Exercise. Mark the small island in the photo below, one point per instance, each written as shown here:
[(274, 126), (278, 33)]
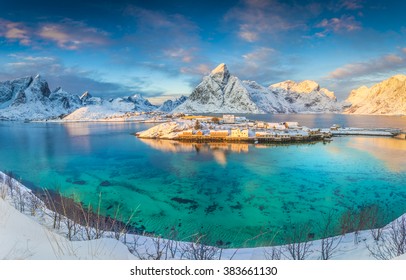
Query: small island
[(231, 128)]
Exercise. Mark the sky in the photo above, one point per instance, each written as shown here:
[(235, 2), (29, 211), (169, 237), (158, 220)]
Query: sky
[(162, 49)]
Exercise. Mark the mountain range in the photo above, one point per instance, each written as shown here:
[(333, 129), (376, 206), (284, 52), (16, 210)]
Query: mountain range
[(221, 92), (30, 98)]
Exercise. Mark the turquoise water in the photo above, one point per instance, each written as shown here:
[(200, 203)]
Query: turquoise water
[(230, 192)]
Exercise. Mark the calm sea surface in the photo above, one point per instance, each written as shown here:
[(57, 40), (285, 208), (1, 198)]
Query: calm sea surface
[(230, 192)]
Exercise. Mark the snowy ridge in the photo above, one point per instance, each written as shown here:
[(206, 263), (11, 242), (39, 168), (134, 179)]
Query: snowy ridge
[(116, 109), (170, 105), (385, 98), (221, 92), (167, 130), (307, 96)]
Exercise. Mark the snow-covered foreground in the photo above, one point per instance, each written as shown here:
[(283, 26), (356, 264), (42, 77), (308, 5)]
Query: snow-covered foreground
[(28, 234)]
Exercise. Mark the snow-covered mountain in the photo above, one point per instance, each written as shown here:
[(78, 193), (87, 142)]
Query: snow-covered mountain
[(170, 105), (221, 92), (97, 108), (307, 96), (30, 99), (131, 103), (387, 97)]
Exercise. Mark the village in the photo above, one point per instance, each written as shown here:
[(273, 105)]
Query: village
[(232, 128)]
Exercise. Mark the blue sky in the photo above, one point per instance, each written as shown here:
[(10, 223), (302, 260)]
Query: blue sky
[(163, 48)]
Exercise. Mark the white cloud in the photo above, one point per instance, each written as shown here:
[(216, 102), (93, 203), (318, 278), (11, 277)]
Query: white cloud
[(15, 31), (386, 63), (351, 4), (72, 79), (263, 64), (263, 17), (342, 24), (72, 35)]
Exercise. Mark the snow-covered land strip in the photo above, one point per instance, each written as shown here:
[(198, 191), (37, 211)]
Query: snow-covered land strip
[(366, 131), (25, 235), (26, 232), (167, 130)]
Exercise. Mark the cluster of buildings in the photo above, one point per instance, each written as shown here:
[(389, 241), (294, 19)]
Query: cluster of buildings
[(233, 129)]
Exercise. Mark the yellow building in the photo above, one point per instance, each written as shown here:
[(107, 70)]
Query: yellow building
[(238, 133), (219, 133)]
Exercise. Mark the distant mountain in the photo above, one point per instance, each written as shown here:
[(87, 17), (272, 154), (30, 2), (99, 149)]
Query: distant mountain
[(30, 99), (307, 96), (97, 108), (134, 103), (385, 98), (170, 105), (221, 92)]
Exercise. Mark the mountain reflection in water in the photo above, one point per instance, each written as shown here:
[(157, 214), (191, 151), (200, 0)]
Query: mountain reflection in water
[(389, 150)]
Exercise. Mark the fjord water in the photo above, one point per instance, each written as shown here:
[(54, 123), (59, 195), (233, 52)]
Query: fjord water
[(230, 192)]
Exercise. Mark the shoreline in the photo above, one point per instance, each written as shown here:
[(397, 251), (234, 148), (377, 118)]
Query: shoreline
[(352, 245)]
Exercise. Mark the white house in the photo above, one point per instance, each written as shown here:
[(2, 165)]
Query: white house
[(228, 119), (280, 126), (260, 124), (272, 125), (292, 124)]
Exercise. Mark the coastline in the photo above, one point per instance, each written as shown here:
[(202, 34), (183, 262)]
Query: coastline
[(52, 244)]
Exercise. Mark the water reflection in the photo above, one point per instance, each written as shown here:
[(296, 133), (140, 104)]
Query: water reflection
[(219, 151), (389, 150)]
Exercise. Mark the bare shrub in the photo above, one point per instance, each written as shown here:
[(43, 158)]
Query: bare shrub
[(8, 181), (148, 247), (173, 245), (329, 242), (377, 219), (3, 190), (94, 224), (273, 253), (392, 242), (298, 243), (19, 199), (34, 204), (356, 220), (51, 203), (118, 227), (72, 213), (197, 250), (347, 222)]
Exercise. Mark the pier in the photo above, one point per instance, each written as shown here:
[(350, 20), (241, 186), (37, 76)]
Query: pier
[(273, 139)]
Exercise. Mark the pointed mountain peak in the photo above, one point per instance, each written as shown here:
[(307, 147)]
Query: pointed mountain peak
[(85, 95), (221, 68), (308, 86), (220, 74)]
